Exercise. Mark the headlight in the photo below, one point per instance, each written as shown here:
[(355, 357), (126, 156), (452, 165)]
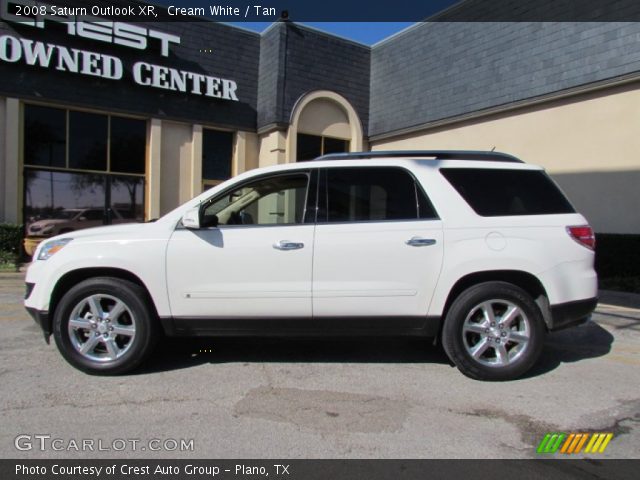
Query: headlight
[(51, 247)]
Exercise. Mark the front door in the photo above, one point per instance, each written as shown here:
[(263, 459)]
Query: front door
[(256, 263), (378, 245)]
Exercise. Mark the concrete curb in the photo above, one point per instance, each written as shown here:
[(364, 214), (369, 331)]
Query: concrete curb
[(620, 299)]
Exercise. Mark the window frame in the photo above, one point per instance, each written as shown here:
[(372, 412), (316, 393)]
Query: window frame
[(323, 197), (67, 110), (310, 201)]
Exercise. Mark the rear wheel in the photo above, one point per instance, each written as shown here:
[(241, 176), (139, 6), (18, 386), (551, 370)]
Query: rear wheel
[(105, 326), (493, 331)]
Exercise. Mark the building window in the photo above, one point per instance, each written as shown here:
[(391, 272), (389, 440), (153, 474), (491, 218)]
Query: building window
[(313, 146), (81, 170), (128, 145), (45, 136), (88, 135), (217, 155)]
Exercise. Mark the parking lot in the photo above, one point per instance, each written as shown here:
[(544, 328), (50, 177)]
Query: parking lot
[(347, 398)]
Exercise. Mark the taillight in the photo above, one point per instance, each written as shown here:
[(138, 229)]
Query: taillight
[(583, 235)]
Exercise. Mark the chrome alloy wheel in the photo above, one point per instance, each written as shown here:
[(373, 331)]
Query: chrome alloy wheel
[(101, 328), (496, 333)]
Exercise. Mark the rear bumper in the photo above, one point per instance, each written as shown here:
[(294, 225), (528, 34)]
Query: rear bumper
[(43, 320), (569, 314)]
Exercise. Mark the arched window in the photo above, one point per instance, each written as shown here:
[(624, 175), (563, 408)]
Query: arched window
[(322, 122)]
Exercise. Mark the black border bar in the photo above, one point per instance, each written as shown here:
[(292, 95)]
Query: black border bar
[(357, 11), (551, 469)]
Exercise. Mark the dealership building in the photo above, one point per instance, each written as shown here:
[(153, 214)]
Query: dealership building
[(125, 121)]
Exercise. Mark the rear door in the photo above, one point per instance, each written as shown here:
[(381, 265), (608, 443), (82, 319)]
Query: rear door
[(378, 246)]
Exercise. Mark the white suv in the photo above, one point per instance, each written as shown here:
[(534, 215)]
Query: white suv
[(476, 249)]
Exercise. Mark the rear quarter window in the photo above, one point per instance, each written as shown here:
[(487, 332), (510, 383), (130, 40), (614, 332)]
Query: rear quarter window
[(503, 192)]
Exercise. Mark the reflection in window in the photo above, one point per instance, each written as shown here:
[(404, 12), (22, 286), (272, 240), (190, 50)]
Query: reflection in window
[(44, 136), (88, 141), (127, 199), (273, 201), (58, 202)]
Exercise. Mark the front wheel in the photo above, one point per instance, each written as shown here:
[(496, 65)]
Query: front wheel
[(493, 331), (105, 326)]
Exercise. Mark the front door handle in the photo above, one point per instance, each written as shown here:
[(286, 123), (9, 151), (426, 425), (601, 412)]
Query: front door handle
[(421, 242), (287, 245)]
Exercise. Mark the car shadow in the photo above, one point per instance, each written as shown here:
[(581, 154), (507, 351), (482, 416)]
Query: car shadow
[(572, 345), (179, 353), (566, 346)]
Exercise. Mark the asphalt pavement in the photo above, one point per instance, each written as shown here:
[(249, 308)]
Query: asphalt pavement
[(347, 398)]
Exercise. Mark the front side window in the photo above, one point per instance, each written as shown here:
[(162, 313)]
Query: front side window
[(366, 194), (278, 200)]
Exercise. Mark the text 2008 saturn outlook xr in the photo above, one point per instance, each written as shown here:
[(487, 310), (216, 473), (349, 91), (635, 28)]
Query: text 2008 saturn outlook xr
[(477, 249)]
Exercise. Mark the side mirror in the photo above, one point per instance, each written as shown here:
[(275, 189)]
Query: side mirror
[(191, 218), (209, 221)]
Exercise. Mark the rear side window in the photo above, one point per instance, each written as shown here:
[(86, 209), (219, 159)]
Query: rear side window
[(365, 194), (496, 193)]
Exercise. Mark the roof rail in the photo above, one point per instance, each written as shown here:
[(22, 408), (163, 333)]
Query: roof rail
[(436, 154)]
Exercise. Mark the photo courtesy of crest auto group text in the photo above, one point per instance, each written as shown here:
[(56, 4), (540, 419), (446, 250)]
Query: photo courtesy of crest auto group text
[(310, 241)]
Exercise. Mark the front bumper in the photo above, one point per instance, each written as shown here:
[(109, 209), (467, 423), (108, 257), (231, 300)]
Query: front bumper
[(565, 315), (43, 320)]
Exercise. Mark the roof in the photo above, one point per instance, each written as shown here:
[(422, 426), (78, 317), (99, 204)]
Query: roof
[(434, 154)]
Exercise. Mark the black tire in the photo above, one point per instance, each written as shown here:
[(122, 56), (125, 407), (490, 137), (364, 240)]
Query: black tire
[(138, 322), (498, 357)]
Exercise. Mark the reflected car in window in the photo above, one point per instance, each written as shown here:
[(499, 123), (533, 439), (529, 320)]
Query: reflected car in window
[(71, 219)]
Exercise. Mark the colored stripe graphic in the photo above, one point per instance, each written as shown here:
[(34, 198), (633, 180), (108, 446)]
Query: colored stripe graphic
[(551, 442), (573, 443), (598, 442)]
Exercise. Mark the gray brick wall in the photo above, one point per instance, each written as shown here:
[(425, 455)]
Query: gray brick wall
[(439, 70), (271, 76), (313, 61), (317, 61)]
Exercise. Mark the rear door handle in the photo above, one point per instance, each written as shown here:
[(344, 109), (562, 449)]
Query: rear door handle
[(421, 242), (287, 245)]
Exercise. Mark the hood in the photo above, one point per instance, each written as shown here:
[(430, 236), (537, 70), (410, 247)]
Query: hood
[(105, 231)]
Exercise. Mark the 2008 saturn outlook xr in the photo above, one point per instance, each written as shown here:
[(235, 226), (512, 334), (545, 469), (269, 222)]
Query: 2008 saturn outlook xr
[(477, 249)]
